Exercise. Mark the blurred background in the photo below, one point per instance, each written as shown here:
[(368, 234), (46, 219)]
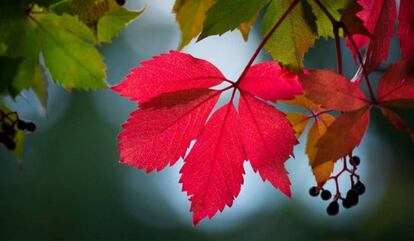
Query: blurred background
[(72, 186)]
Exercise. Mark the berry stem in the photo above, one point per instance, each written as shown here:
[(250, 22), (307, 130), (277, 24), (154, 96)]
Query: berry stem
[(266, 39)]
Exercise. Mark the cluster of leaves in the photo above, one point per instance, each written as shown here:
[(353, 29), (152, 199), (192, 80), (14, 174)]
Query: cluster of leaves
[(178, 103), (57, 40)]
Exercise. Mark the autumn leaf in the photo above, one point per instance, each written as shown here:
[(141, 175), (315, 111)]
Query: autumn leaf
[(299, 122), (406, 29), (190, 16), (342, 136), (168, 73), (175, 105), (321, 171), (353, 23), (268, 138), (271, 82), (332, 90), (396, 86), (246, 27), (379, 18), (321, 120)]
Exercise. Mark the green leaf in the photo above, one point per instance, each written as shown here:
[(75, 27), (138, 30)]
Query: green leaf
[(8, 69), (69, 52), (44, 3), (295, 35), (323, 23), (39, 85), (29, 51), (113, 22), (190, 15), (227, 15), (12, 20)]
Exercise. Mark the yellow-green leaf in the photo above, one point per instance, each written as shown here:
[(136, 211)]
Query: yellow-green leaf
[(69, 53), (190, 16), (295, 35), (113, 22), (227, 15)]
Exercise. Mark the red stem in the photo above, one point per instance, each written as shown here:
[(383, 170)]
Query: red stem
[(338, 49), (361, 61), (264, 41)]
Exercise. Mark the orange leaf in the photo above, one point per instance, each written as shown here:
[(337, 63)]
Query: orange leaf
[(298, 121), (321, 171), (343, 135)]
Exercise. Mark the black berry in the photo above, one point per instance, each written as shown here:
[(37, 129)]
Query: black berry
[(120, 2), (326, 195), (313, 191), (359, 188), (333, 208), (3, 137), (10, 145), (8, 129), (8, 142), (346, 203), (355, 161), (21, 125), (30, 126), (352, 197)]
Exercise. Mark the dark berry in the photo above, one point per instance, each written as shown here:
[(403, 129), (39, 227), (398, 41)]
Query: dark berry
[(333, 208), (346, 203), (352, 194), (30, 126), (21, 125), (326, 195), (359, 188), (352, 197), (9, 143), (3, 137), (355, 161), (8, 129), (120, 2), (313, 191)]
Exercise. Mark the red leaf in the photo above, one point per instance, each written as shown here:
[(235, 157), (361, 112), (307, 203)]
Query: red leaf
[(175, 105), (397, 84), (269, 81), (406, 28), (379, 19), (332, 91), (268, 140), (342, 136), (213, 171), (161, 131), (168, 73)]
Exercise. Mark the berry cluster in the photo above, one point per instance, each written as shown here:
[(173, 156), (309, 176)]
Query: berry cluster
[(352, 196), (9, 125)]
